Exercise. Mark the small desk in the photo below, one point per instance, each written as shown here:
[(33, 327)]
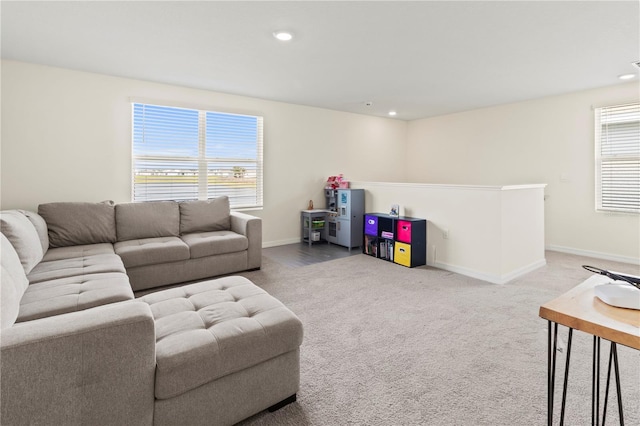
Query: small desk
[(579, 309)]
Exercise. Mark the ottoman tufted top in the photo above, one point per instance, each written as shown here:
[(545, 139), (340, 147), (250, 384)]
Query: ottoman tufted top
[(210, 329)]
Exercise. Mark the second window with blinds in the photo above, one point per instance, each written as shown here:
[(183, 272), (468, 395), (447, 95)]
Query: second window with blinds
[(618, 158), (187, 154)]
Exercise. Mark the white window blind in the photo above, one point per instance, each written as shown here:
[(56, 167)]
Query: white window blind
[(185, 154), (618, 158)]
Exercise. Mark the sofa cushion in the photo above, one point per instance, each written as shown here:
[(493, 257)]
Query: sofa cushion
[(210, 329), (23, 236), (13, 283), (72, 294), (150, 251), (84, 265), (41, 228), (205, 215), (202, 244), (147, 220), (71, 252), (72, 224)]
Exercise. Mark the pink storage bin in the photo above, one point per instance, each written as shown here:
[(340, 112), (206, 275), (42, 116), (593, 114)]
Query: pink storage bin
[(403, 232)]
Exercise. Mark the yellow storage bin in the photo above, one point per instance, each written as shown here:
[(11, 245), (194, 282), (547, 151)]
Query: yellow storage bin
[(402, 254)]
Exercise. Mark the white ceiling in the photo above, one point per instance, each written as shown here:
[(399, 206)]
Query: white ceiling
[(421, 58)]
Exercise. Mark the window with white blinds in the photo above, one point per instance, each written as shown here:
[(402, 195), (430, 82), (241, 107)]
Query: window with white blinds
[(618, 158), (187, 154)]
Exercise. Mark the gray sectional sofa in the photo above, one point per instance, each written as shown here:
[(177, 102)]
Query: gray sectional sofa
[(159, 242), (78, 348)]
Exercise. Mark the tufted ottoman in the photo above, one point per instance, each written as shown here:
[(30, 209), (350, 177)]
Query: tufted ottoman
[(225, 350)]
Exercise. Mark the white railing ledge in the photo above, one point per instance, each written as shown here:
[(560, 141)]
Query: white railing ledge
[(360, 184)]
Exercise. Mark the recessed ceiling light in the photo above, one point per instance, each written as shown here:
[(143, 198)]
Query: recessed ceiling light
[(392, 113), (626, 76), (283, 35)]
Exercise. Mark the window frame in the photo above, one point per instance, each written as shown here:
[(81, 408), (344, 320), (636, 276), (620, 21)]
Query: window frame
[(202, 161)]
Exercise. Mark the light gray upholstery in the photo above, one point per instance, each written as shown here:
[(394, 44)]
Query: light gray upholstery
[(150, 262), (77, 266), (70, 252), (149, 276), (76, 293), (205, 215), (92, 367), (23, 237), (77, 349), (151, 251), (147, 220), (251, 227), (41, 227), (13, 283), (208, 330), (234, 397), (72, 224), (203, 244)]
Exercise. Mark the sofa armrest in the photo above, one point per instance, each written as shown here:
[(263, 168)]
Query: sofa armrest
[(250, 227), (95, 366)]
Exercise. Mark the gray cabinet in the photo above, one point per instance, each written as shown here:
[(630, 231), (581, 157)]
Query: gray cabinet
[(345, 225)]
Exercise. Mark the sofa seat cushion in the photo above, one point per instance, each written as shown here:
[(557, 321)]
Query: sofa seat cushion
[(207, 330), (202, 244), (72, 294), (149, 251), (78, 251), (84, 265)]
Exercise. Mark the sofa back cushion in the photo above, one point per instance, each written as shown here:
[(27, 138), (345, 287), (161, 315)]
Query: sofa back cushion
[(72, 224), (13, 283), (205, 215), (147, 220), (41, 228), (23, 237)]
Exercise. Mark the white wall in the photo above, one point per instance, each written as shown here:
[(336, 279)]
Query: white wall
[(494, 233), (66, 137), (549, 140)]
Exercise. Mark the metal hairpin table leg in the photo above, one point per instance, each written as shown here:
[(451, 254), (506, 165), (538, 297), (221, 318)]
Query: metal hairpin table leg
[(613, 359), (614, 354), (614, 350), (551, 369), (566, 377), (595, 383)]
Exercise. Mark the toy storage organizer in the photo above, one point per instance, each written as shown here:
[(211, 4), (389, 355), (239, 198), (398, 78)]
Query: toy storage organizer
[(402, 240)]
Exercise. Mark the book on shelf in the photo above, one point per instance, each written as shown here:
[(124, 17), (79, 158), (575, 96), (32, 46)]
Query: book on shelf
[(383, 249)]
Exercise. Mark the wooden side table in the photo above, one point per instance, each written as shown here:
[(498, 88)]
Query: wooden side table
[(580, 309)]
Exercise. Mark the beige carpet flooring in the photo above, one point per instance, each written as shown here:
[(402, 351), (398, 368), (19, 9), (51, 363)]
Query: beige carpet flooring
[(388, 345)]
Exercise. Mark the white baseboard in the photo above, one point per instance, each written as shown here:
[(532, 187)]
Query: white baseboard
[(492, 278), (524, 270), (267, 244), (594, 254)]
